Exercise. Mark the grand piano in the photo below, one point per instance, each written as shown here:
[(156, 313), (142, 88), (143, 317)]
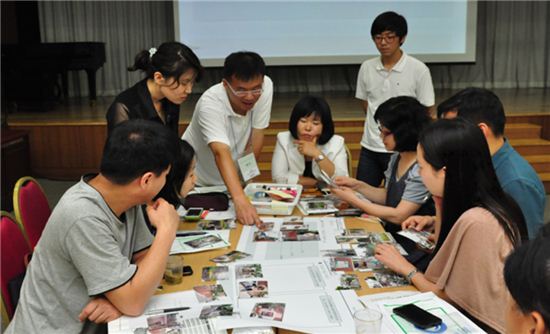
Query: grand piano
[(30, 65)]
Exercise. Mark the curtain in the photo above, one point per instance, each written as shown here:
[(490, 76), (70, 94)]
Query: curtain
[(512, 50)]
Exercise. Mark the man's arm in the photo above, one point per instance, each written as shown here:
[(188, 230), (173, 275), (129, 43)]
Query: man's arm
[(246, 213), (131, 298), (256, 142)]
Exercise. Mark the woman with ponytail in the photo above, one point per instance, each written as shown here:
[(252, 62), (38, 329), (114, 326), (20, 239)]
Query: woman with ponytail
[(170, 74)]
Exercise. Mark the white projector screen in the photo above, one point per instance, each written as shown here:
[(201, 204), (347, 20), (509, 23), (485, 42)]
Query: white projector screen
[(314, 32)]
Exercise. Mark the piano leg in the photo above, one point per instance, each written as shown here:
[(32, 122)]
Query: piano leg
[(64, 85), (91, 85)]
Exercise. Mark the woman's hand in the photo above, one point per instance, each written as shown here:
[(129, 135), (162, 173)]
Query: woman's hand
[(346, 194), (308, 148), (391, 258), (418, 223), (344, 181)]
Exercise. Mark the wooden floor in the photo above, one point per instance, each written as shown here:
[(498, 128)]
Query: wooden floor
[(343, 105)]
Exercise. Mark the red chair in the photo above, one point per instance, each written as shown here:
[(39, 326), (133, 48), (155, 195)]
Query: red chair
[(31, 208), (14, 249)]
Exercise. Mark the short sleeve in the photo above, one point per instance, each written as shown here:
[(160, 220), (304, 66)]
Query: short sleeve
[(213, 123), (361, 89), (262, 108), (143, 237), (339, 156), (97, 255), (415, 190), (424, 88), (117, 113), (388, 171)]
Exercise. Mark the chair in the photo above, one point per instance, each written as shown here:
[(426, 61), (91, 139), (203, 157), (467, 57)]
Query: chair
[(350, 160), (14, 248), (31, 208)]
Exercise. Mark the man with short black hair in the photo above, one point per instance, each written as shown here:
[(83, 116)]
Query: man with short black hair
[(96, 260), (517, 178), (228, 123), (392, 74)]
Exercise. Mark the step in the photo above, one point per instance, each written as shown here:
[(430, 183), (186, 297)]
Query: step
[(522, 131), (527, 147), (540, 163), (545, 178)]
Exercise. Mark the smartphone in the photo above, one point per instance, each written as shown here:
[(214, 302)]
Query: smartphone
[(193, 214), (417, 316)]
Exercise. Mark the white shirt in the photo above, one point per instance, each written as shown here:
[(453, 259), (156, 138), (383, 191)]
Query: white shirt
[(215, 121), (288, 164), (375, 84)]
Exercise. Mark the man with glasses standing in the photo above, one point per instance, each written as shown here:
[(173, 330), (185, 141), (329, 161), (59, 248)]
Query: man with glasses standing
[(227, 128), (392, 74)]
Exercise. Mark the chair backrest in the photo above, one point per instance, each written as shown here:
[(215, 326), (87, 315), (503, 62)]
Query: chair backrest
[(350, 160), (31, 208), (14, 248)]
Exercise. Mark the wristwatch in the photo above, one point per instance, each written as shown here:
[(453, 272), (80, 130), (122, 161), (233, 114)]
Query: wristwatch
[(411, 274), (320, 157)]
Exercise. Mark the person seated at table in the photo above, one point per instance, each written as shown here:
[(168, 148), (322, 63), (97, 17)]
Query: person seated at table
[(527, 276), (181, 179), (309, 146), (478, 225), (171, 71), (96, 260), (400, 119)]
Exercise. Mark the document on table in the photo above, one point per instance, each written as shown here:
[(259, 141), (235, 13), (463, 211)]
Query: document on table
[(310, 300), (201, 241), (453, 320), (187, 320), (326, 227)]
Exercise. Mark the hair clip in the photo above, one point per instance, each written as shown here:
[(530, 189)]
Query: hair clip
[(152, 51)]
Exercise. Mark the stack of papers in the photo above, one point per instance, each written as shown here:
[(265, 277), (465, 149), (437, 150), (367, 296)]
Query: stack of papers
[(198, 241)]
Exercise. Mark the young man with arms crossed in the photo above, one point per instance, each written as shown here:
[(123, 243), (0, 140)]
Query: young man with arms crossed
[(228, 123), (392, 74), (96, 260)]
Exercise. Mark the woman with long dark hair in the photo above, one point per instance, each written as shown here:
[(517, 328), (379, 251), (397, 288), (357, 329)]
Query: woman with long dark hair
[(170, 73), (477, 224)]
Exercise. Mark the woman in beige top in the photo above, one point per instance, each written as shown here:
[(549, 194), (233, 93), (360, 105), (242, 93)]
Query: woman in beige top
[(476, 226)]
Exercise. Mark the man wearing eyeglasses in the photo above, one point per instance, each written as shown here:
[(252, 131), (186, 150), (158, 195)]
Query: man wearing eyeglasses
[(228, 125), (392, 74)]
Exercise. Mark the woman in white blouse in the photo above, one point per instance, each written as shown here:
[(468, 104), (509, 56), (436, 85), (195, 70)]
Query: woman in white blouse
[(309, 146)]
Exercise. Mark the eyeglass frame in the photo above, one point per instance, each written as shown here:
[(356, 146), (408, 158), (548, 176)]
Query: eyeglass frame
[(388, 38), (243, 93)]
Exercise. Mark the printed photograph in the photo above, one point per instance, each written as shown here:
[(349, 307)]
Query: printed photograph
[(164, 323), (341, 264), (261, 236), (339, 252), (268, 311), (354, 232), (386, 279), (369, 263), (215, 273), (208, 293), (266, 226), (205, 241), (212, 311), (253, 289), (230, 257), (210, 225), (249, 271), (293, 220), (349, 281)]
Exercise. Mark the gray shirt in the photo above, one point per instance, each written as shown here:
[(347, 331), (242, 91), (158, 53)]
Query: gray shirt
[(415, 190), (84, 251)]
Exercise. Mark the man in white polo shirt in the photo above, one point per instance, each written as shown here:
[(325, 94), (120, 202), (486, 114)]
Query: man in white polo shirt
[(228, 124), (392, 74)]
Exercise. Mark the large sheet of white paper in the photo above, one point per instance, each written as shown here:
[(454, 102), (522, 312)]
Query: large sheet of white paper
[(453, 320), (327, 227)]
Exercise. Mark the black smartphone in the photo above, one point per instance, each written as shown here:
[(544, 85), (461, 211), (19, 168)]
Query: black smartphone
[(417, 316), (187, 271)]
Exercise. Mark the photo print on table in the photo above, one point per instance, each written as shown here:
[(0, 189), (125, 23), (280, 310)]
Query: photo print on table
[(253, 289), (223, 224), (249, 271), (230, 257), (215, 273), (349, 282), (211, 311), (268, 311), (208, 293), (386, 279), (262, 236)]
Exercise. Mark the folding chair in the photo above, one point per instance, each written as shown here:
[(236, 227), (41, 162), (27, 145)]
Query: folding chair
[(31, 208)]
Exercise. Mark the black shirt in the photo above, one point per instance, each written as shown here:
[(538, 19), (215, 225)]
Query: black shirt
[(136, 103)]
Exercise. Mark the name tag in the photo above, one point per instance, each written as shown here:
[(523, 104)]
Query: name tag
[(248, 166)]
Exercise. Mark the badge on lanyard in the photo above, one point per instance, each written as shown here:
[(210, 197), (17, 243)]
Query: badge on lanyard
[(248, 166)]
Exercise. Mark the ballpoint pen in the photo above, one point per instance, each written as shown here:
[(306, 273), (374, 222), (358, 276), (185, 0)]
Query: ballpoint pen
[(167, 310), (189, 234)]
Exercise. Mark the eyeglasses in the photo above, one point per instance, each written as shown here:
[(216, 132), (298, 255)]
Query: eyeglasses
[(384, 132), (243, 93), (388, 38)]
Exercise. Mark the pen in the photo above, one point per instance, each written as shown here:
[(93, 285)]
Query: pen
[(167, 310), (189, 234)]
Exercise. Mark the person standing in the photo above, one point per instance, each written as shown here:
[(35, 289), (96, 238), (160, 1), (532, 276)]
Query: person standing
[(392, 74)]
